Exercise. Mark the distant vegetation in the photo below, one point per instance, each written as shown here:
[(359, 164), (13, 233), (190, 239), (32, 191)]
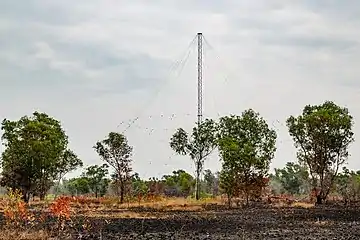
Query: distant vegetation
[(37, 157), (95, 204)]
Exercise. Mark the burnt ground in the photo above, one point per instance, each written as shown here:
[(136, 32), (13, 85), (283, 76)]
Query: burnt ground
[(326, 222)]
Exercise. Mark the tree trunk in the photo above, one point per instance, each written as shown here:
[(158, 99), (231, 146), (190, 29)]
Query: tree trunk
[(25, 196), (319, 199), (197, 184), (42, 196), (229, 200), (122, 188), (118, 188), (197, 189)]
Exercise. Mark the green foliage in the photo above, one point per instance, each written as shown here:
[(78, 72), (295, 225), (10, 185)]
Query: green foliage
[(77, 186), (180, 183), (198, 146), (116, 151), (210, 182), (294, 178), (348, 185), (322, 134), (275, 185), (34, 153), (201, 143), (97, 182), (228, 183), (68, 162), (138, 185), (246, 146)]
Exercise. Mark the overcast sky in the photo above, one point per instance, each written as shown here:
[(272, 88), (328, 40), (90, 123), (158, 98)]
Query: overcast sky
[(93, 64)]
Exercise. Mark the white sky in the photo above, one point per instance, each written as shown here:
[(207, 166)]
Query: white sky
[(93, 64)]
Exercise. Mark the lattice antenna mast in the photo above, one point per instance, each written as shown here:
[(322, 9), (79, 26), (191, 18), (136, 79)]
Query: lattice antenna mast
[(200, 94), (200, 114)]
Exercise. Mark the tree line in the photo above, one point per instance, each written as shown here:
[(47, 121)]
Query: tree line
[(177, 184), (322, 135), (293, 179), (37, 157)]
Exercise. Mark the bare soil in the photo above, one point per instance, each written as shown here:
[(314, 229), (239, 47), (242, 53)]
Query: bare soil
[(261, 222)]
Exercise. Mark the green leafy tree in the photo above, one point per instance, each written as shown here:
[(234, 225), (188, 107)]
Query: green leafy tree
[(342, 182), (198, 146), (294, 178), (216, 187), (209, 181), (116, 151), (228, 182), (68, 162), (275, 185), (96, 178), (32, 159), (322, 135), (77, 186), (246, 146), (180, 183), (138, 185), (348, 185)]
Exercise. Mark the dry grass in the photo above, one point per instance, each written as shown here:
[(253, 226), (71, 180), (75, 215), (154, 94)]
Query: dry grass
[(162, 207), (173, 204), (123, 214), (110, 208), (322, 223), (23, 235), (303, 205), (282, 204)]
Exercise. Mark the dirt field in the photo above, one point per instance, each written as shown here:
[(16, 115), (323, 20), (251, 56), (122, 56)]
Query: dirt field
[(189, 221), (252, 223)]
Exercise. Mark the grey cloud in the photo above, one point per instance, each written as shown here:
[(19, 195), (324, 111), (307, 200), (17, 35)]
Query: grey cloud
[(89, 66), (14, 78), (343, 10), (98, 57), (83, 62), (206, 5), (311, 42), (83, 65), (48, 12), (118, 70), (116, 74), (230, 6)]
